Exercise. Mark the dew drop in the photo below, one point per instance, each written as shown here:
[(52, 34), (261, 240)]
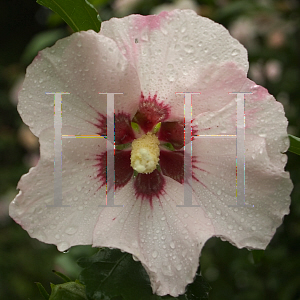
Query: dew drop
[(178, 267), (235, 52), (63, 246), (164, 30), (284, 158), (135, 258), (78, 188), (172, 245), (189, 48), (154, 254), (171, 78), (71, 230)]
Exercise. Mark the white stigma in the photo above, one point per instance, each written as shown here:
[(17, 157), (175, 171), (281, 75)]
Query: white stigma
[(145, 153)]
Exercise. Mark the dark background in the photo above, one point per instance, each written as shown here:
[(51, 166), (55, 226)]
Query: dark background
[(270, 30)]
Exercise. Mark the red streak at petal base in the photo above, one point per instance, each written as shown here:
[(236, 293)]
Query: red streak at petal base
[(148, 186), (172, 132), (123, 170), (172, 164), (150, 112), (123, 131)]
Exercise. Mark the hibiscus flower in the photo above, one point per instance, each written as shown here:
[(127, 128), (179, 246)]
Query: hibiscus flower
[(149, 59)]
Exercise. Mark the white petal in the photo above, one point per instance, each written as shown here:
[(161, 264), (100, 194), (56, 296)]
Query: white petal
[(84, 65), (167, 239), (62, 226), (267, 185), (173, 50)]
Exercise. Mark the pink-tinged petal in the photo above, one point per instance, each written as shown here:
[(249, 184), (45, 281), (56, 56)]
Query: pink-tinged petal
[(167, 239), (81, 189), (267, 185), (264, 116), (173, 51), (84, 65)]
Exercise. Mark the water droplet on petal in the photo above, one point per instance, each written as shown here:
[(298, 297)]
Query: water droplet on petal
[(63, 246), (189, 48), (284, 158), (71, 230), (154, 254), (172, 245), (78, 188), (178, 267), (135, 258), (235, 52)]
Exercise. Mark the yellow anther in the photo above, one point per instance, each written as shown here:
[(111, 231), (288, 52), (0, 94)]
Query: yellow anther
[(145, 153)]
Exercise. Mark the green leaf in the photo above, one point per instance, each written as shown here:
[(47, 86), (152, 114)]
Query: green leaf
[(294, 144), (112, 273), (68, 291), (41, 41), (257, 255), (78, 14), (42, 290), (64, 277)]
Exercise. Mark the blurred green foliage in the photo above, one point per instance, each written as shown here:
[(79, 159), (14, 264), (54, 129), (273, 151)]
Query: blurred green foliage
[(270, 30)]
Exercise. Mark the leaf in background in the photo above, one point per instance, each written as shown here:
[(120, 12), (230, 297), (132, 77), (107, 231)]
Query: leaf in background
[(41, 41), (68, 291), (42, 291), (78, 14), (294, 144), (62, 276), (112, 273), (257, 255)]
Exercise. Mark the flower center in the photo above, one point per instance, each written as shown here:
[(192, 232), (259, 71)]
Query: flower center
[(145, 153)]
